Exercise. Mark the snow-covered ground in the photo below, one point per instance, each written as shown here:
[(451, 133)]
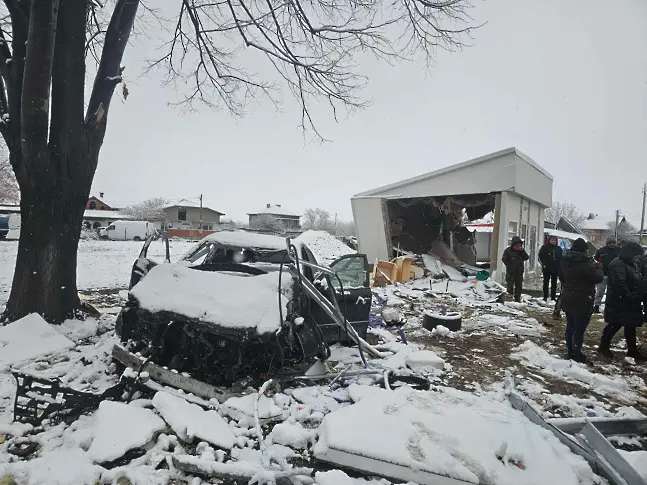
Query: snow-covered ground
[(462, 428), (101, 264)]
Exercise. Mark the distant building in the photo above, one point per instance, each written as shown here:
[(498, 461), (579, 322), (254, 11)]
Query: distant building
[(187, 214), (290, 220), (97, 203), (92, 218), (97, 218), (597, 229)]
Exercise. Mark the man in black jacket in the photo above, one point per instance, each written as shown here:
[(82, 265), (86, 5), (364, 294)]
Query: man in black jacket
[(623, 308), (579, 274), (550, 255), (605, 255), (514, 258)]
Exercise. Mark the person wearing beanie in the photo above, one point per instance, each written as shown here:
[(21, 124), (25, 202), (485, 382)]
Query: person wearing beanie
[(625, 294), (605, 255), (550, 255), (579, 274), (514, 258)]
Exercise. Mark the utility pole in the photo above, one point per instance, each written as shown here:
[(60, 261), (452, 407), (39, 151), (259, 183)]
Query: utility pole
[(617, 223), (642, 217), (200, 214)]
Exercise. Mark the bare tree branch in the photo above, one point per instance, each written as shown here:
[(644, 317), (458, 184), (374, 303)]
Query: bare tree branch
[(148, 210), (318, 220), (314, 47), (110, 70), (267, 222), (565, 209)]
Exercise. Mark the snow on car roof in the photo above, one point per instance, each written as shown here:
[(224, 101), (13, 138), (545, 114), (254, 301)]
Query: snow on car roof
[(225, 299), (324, 246), (247, 239)]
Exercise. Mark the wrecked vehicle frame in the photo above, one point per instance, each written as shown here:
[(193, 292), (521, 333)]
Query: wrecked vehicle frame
[(323, 305)]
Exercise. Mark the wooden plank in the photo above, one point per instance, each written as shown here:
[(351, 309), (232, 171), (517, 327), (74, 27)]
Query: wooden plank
[(168, 377)]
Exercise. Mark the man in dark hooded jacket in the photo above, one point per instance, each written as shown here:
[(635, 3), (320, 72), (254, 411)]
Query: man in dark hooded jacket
[(514, 258), (625, 295), (579, 274), (550, 255)]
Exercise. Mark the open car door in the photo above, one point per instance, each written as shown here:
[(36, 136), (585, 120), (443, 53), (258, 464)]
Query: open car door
[(353, 289), (355, 300), (143, 264)]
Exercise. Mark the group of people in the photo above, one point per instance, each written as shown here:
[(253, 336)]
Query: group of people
[(620, 271)]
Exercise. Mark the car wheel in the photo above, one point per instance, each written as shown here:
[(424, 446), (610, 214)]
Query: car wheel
[(137, 238)]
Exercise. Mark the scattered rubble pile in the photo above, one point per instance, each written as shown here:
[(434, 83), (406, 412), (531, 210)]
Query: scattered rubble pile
[(386, 418), (387, 423)]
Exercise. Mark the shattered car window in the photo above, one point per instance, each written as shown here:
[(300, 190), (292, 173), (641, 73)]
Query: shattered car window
[(351, 272), (207, 253)]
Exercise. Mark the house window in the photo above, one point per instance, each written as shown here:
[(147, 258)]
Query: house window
[(93, 205), (96, 225), (181, 214)]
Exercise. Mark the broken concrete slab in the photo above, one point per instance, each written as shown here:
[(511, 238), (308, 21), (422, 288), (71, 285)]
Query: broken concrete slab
[(29, 338), (190, 421), (120, 428)]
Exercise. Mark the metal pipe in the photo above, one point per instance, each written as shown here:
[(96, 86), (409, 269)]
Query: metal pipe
[(355, 373), (333, 313)]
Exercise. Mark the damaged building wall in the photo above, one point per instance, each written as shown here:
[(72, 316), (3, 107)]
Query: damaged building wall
[(480, 176), (521, 187), (370, 220), (518, 217), (416, 223)]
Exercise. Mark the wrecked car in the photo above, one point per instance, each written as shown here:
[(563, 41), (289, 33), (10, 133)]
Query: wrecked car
[(241, 304)]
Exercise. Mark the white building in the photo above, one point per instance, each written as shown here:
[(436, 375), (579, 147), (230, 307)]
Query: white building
[(426, 208)]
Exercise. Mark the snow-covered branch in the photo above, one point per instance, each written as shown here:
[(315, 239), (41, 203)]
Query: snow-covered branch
[(148, 210)]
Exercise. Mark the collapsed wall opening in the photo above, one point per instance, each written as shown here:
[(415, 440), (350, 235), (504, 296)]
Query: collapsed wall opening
[(417, 224)]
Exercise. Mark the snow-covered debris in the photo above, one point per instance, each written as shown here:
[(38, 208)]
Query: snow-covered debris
[(190, 421), (228, 300), (69, 466), (414, 436), (623, 388), (338, 477), (243, 407), (424, 360), (501, 324), (324, 246), (638, 460), (317, 398), (333, 477), (293, 435), (29, 338), (120, 428)]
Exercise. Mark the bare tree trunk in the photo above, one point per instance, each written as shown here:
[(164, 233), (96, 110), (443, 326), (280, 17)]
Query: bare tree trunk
[(55, 164), (45, 275)]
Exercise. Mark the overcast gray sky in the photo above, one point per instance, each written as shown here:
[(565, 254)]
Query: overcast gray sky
[(565, 81)]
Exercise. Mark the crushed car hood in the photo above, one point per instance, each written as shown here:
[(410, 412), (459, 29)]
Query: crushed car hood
[(224, 299)]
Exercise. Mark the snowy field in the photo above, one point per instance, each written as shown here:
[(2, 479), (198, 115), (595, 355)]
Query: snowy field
[(101, 265), (462, 429)]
